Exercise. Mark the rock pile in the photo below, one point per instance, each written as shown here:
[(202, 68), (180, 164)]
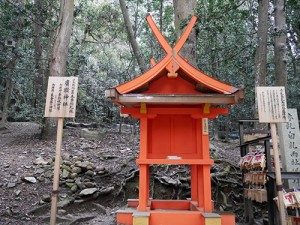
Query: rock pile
[(75, 173)]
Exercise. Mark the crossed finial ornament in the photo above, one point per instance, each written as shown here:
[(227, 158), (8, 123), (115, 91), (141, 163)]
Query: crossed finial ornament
[(172, 66)]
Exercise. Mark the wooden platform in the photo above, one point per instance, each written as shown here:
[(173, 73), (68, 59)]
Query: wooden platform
[(171, 212)]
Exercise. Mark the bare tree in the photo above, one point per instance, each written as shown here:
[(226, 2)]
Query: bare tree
[(62, 40), (183, 12), (10, 65), (261, 49), (132, 38), (280, 44), (38, 50), (8, 90), (58, 60)]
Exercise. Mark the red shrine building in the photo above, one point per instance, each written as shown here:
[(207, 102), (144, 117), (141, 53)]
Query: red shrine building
[(173, 101)]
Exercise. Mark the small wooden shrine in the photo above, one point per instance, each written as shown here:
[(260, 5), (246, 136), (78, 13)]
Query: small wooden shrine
[(173, 101)]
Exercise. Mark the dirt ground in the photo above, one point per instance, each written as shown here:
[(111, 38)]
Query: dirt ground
[(23, 202)]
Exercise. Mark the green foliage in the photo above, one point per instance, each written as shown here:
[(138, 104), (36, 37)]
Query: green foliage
[(101, 57), (21, 112)]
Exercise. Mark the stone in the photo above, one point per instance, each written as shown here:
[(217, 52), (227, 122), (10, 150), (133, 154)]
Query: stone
[(99, 168), (90, 167), (48, 174), (73, 175), (61, 212), (65, 173), (47, 167), (88, 191), (70, 185), (41, 179), (74, 188), (46, 198), (91, 134), (66, 167), (89, 184), (84, 164), (11, 185), (77, 159), (18, 192), (29, 179), (39, 171), (66, 156), (101, 172), (65, 203), (76, 169), (289, 140), (40, 161), (79, 183), (67, 163), (89, 173), (70, 180)]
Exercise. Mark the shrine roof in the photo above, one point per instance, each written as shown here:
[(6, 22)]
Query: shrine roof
[(173, 80)]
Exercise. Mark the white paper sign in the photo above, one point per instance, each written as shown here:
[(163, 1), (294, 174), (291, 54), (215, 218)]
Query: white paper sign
[(61, 97), (272, 106)]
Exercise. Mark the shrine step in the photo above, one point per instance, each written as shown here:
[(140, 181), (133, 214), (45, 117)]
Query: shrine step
[(141, 218), (173, 217), (212, 219)]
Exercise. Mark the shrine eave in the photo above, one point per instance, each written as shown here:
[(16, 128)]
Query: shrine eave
[(174, 99)]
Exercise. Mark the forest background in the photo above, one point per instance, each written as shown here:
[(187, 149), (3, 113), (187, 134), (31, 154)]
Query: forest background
[(237, 42)]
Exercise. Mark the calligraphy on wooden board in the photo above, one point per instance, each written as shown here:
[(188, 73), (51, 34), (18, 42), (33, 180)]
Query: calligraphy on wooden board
[(272, 107), (61, 97)]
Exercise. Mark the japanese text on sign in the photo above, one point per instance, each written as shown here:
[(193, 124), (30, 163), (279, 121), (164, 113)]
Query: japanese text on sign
[(290, 145), (271, 104), (61, 97)]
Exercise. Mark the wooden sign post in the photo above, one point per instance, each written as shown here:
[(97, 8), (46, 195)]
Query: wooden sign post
[(60, 103), (272, 109)]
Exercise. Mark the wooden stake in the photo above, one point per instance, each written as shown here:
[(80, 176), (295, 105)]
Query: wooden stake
[(55, 190), (278, 175)]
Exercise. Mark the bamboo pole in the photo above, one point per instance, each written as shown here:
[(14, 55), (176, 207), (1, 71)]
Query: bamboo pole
[(55, 190), (281, 207)]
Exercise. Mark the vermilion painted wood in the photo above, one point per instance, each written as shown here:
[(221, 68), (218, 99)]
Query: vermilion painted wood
[(165, 85), (196, 112), (173, 134), (179, 216), (171, 64)]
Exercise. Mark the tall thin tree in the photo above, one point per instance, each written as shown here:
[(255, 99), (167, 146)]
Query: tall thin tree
[(183, 12), (62, 40), (280, 44), (59, 56), (131, 37), (38, 50), (261, 48)]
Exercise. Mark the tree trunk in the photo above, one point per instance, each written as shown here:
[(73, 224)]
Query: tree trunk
[(58, 59), (10, 66), (131, 37), (62, 40), (82, 47), (280, 44), (183, 12), (161, 11), (46, 126), (261, 49), (8, 91), (39, 76)]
